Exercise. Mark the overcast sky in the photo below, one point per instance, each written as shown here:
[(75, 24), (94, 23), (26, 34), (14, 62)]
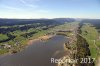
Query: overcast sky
[(49, 8)]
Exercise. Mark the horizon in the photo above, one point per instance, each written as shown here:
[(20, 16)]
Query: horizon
[(41, 9), (50, 18)]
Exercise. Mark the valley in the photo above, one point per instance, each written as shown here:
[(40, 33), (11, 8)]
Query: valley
[(63, 38)]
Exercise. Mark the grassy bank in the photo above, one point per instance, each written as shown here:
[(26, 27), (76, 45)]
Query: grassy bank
[(90, 33)]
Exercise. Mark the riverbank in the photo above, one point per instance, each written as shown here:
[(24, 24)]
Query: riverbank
[(29, 42), (43, 38), (31, 53)]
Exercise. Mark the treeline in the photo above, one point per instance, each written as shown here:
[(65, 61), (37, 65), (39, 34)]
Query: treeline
[(10, 22), (27, 27), (83, 52), (95, 22), (10, 37), (26, 35), (18, 27)]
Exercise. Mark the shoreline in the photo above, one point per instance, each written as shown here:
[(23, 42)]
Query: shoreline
[(42, 38), (30, 42)]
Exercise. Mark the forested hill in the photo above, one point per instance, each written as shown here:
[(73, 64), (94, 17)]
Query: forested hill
[(9, 22), (95, 22)]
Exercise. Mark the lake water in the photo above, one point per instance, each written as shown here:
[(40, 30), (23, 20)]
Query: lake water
[(37, 54)]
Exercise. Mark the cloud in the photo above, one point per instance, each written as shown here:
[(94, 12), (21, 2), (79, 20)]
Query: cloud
[(28, 4), (9, 7)]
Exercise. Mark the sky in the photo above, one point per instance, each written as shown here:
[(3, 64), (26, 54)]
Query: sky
[(50, 9)]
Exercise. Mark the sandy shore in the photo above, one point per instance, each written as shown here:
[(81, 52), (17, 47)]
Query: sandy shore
[(46, 37)]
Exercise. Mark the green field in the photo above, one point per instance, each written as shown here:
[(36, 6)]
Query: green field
[(90, 33), (3, 37)]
